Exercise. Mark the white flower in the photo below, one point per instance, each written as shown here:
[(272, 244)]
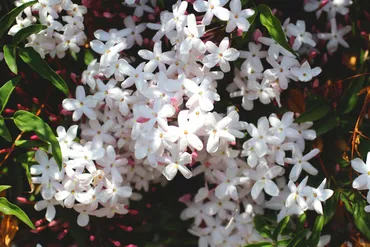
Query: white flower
[(362, 182), (135, 76), (113, 191), (301, 162), (141, 6), (254, 55), (187, 132), (81, 105), (335, 37), (281, 72), (238, 17), (47, 168), (220, 55), (274, 48), (176, 162), (296, 195), (212, 7), (50, 208), (316, 196), (193, 33), (201, 95), (229, 180), (157, 58), (305, 73), (300, 34), (263, 176)]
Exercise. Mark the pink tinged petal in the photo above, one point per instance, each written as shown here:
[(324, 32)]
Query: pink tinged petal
[(211, 47), (83, 219), (211, 208), (219, 175), (124, 191), (71, 104), (360, 182), (50, 212), (271, 188), (170, 171), (61, 195), (195, 142), (317, 206), (257, 189), (309, 168), (222, 13), (224, 65), (235, 6), (295, 172), (185, 171), (316, 71), (211, 60), (98, 46), (222, 190), (311, 154), (231, 54), (40, 205), (233, 192)]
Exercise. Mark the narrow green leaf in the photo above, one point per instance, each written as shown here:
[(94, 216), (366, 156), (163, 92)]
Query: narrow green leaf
[(262, 244), (301, 222), (31, 144), (283, 242), (280, 227), (331, 207), (4, 187), (313, 114), (9, 18), (261, 226), (296, 240), (24, 33), (88, 56), (10, 58), (326, 124), (27, 121), (6, 90), (33, 59), (4, 132), (360, 217), (10, 209), (273, 26), (316, 231)]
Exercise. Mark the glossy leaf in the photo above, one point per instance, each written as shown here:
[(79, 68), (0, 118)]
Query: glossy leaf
[(4, 187), (301, 222), (350, 98), (331, 207), (24, 33), (262, 244), (296, 240), (261, 226), (31, 144), (313, 114), (27, 121), (316, 231), (10, 58), (33, 59), (273, 26), (326, 124), (4, 132), (6, 90), (8, 19), (10, 209), (280, 227), (88, 56)]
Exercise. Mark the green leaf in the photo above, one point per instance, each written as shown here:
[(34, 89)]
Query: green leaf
[(31, 144), (261, 226), (9, 18), (4, 187), (280, 227), (6, 90), (350, 98), (33, 59), (324, 125), (331, 207), (360, 216), (24, 33), (10, 209), (301, 222), (262, 244), (4, 132), (88, 56), (273, 26), (10, 58), (296, 240), (313, 114), (283, 242), (316, 231), (27, 121)]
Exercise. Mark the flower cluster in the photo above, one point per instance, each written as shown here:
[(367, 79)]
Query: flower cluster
[(362, 182), (143, 117), (64, 26), (331, 7)]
